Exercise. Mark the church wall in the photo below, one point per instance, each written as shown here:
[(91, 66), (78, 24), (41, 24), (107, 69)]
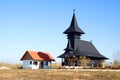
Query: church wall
[(82, 62)]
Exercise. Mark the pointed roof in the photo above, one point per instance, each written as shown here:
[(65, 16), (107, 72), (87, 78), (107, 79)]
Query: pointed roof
[(33, 55), (74, 28), (69, 48)]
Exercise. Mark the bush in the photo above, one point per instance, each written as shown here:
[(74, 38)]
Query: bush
[(13, 66), (56, 65)]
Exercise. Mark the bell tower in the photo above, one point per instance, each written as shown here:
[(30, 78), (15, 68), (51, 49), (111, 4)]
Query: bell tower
[(73, 32)]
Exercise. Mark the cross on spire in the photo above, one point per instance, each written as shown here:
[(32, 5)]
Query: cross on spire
[(73, 10)]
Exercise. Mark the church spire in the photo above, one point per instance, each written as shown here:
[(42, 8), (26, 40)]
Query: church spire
[(69, 48), (74, 28)]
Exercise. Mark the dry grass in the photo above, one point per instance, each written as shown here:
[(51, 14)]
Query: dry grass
[(13, 66), (56, 65), (57, 74), (54, 74)]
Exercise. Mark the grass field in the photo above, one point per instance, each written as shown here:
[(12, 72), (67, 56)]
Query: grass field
[(56, 74)]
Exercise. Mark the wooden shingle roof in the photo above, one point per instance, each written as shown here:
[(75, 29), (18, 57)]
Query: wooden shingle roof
[(74, 28), (84, 48)]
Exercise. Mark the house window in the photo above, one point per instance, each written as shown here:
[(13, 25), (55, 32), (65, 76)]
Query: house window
[(35, 62), (46, 63), (30, 62)]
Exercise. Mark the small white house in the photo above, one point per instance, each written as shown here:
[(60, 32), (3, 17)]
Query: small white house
[(36, 60)]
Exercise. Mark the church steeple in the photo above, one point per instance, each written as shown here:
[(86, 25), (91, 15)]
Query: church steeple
[(73, 32), (73, 28)]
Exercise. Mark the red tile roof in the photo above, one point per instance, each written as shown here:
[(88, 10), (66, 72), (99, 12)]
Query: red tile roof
[(33, 55)]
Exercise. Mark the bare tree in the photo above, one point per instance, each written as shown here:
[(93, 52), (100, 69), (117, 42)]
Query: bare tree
[(116, 58)]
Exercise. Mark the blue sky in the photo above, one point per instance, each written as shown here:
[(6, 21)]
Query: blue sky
[(39, 25)]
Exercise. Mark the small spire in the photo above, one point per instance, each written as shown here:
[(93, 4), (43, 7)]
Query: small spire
[(68, 48), (91, 41)]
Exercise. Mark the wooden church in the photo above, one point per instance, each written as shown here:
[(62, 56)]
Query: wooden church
[(79, 52)]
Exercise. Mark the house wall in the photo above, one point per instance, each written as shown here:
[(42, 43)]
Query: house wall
[(35, 66), (47, 65), (30, 64), (26, 64)]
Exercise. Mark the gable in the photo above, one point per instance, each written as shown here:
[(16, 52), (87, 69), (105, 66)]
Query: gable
[(26, 56)]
